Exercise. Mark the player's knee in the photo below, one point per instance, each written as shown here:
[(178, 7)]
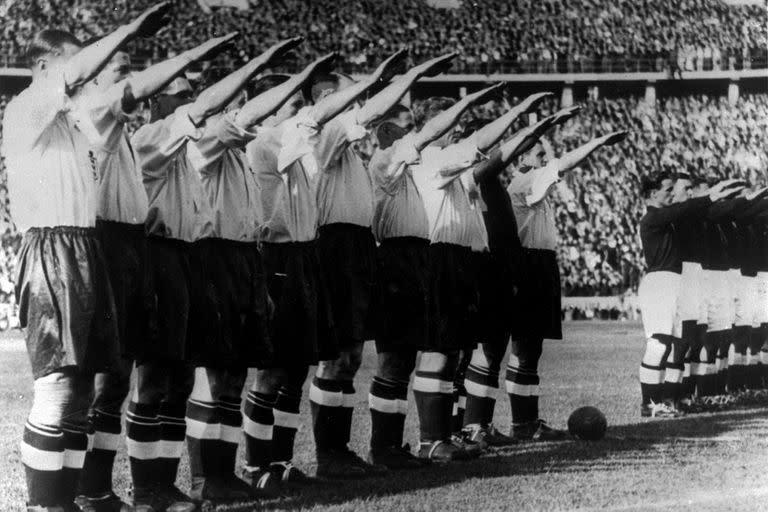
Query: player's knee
[(488, 356), (655, 352), (439, 362), (395, 365), (268, 381)]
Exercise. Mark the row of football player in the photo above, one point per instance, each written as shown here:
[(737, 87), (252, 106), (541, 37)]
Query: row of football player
[(704, 299), (225, 236)]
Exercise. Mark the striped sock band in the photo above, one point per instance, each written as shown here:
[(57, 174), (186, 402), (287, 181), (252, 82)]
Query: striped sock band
[(202, 433), (173, 428), (96, 479), (42, 453), (481, 384), (230, 431), (326, 400), (286, 413), (142, 438), (388, 404), (433, 394), (523, 389), (258, 426)]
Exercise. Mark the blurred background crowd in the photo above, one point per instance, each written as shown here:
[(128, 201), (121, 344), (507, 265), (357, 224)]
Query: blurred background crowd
[(492, 35)]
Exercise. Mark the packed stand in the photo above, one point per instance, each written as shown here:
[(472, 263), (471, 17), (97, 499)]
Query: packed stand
[(598, 207), (493, 36)]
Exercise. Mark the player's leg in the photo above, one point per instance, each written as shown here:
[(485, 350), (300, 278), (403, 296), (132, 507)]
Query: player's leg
[(482, 384), (657, 296), (754, 370), (762, 316), (433, 393), (460, 392), (349, 264), (110, 391), (401, 329), (742, 326), (388, 402), (522, 382), (332, 398)]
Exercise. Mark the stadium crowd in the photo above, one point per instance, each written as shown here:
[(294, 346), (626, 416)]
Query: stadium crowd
[(598, 206), (491, 36)]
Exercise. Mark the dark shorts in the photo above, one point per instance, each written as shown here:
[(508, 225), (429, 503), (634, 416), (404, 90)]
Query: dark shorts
[(537, 305), (65, 301), (403, 313), (130, 274), (454, 299), (236, 272), (350, 266), (496, 287), (302, 326), (185, 301)]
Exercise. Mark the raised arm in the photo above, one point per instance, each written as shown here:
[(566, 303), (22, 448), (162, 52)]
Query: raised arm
[(573, 158), (487, 136), (87, 63), (520, 142), (216, 97), (336, 103), (377, 106), (146, 83), (441, 123), (267, 103)]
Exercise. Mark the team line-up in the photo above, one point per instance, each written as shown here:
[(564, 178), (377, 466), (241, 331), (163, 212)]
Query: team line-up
[(240, 229)]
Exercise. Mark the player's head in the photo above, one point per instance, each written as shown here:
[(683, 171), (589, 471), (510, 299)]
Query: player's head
[(118, 68), (176, 94), (657, 189), (397, 123), (49, 50), (324, 85), (699, 187), (540, 153), (287, 109), (430, 108), (682, 189)]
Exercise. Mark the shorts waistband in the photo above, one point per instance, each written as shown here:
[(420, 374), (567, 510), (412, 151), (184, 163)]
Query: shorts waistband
[(120, 226), (405, 241), (343, 226), (68, 230), (288, 245), (226, 242), (172, 242)]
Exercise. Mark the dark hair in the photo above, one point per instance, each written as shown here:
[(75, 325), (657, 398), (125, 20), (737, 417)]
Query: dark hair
[(265, 83), (49, 41), (314, 88), (650, 184), (431, 107)]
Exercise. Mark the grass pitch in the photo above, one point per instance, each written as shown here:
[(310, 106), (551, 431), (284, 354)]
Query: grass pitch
[(702, 462)]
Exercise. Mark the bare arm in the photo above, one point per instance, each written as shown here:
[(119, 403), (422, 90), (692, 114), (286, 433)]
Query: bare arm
[(573, 158), (336, 103), (87, 63), (441, 123), (487, 136), (387, 98), (146, 83), (216, 97), (267, 103)]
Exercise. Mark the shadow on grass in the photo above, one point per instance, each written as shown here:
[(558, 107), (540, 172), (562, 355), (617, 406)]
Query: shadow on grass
[(632, 445)]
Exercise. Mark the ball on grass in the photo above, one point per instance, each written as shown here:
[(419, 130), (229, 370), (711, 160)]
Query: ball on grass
[(587, 423)]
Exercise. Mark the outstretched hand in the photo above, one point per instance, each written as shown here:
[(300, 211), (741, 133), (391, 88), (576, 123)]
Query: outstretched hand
[(534, 99), (391, 66), (436, 66), (212, 47), (614, 138), (151, 20), (486, 94)]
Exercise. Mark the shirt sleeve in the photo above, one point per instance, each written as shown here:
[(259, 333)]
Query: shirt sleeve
[(219, 135), (387, 165), (541, 182), (297, 142), (453, 161), (336, 135), (157, 143), (104, 113), (28, 118)]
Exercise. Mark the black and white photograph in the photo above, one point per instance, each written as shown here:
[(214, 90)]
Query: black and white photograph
[(383, 255)]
